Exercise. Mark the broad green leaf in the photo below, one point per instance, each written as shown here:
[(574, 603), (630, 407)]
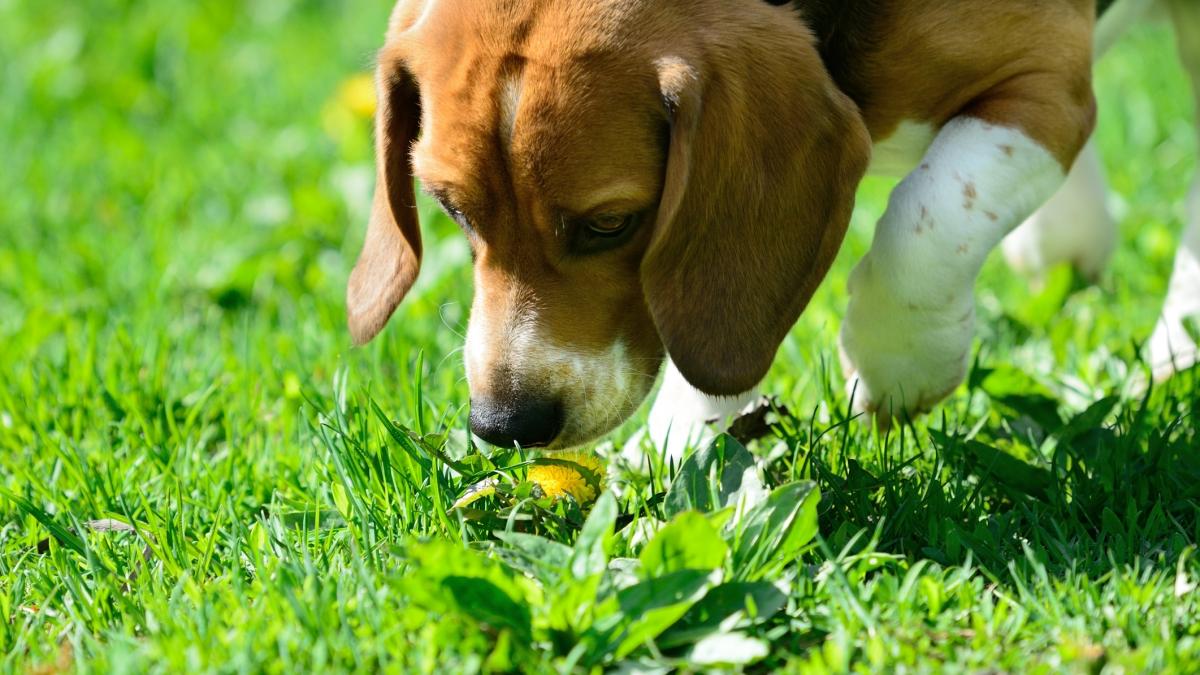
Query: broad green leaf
[(1087, 420), (1009, 471), (589, 556), (711, 478), (772, 534), (649, 608), (575, 604), (688, 542), (730, 606), (433, 561), (545, 560), (1023, 395), (484, 601)]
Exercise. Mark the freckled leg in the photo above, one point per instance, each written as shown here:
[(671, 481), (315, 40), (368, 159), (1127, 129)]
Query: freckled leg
[(1171, 347), (1073, 227), (683, 416), (906, 340)]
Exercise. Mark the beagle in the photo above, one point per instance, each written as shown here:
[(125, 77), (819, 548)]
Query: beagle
[(650, 180)]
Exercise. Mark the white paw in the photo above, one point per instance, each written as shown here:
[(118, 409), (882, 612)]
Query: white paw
[(901, 358)]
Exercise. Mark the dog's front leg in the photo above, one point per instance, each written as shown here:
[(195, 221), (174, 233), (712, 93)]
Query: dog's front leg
[(906, 340), (1172, 347)]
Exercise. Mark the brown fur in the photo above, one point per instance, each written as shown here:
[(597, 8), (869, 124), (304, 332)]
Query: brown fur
[(765, 155), (1023, 63), (391, 255)]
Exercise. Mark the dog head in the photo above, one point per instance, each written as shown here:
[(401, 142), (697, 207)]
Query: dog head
[(635, 178)]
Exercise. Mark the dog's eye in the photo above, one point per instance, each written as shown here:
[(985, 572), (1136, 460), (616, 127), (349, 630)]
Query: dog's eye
[(609, 225), (597, 234), (454, 212)]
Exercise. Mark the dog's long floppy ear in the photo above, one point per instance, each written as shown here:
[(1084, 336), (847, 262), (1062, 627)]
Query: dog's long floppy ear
[(764, 160), (391, 254)]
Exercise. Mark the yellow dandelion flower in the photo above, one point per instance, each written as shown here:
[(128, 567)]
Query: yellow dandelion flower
[(357, 94), (578, 474), (348, 110)]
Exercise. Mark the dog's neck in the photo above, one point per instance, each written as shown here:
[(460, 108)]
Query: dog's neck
[(848, 34)]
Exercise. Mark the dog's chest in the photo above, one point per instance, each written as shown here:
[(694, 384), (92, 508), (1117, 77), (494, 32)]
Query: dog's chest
[(900, 153)]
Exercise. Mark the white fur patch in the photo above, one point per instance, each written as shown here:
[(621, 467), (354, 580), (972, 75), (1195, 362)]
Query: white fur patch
[(510, 102), (906, 340), (683, 417), (423, 18), (897, 154), (1171, 347)]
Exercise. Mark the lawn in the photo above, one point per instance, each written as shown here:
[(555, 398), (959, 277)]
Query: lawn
[(198, 473)]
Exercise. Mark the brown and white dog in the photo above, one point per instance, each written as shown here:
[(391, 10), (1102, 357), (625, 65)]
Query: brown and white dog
[(642, 179)]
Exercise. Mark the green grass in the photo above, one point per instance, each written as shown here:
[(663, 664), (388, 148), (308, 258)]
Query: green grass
[(183, 195)]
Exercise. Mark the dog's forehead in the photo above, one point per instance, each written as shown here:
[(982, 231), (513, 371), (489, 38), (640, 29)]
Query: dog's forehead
[(517, 98), (434, 32)]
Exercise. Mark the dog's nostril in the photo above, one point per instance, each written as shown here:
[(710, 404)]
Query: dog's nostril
[(525, 422)]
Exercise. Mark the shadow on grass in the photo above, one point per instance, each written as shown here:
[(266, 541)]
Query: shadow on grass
[(1117, 485)]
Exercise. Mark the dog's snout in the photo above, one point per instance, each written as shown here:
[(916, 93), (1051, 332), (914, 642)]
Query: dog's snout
[(528, 422)]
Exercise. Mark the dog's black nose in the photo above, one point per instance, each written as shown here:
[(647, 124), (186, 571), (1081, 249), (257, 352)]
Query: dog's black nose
[(528, 422)]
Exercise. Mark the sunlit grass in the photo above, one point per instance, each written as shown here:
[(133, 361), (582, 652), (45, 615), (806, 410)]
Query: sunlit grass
[(199, 473)]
